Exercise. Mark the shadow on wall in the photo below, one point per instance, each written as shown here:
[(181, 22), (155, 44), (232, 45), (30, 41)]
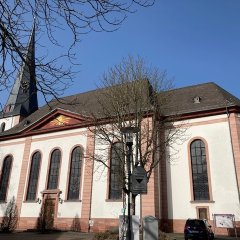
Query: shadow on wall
[(45, 221), (231, 231), (75, 227), (166, 207)]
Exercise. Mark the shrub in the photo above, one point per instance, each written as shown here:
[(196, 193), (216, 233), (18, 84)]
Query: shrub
[(105, 236), (10, 218), (163, 236)]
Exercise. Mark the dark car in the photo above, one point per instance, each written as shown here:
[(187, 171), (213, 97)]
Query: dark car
[(198, 229)]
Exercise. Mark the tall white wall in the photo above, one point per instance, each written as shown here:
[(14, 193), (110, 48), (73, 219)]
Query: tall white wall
[(101, 207), (222, 172), (65, 141), (214, 130), (16, 149)]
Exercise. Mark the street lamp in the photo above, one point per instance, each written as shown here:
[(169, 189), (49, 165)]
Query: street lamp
[(128, 132)]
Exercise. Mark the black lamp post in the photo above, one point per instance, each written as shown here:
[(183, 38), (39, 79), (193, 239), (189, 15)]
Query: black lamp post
[(129, 131)]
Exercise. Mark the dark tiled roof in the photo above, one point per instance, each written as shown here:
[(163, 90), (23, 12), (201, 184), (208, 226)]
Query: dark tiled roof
[(177, 101), (86, 104), (211, 97), (79, 104)]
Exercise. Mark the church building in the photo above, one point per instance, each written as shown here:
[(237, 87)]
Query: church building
[(45, 155)]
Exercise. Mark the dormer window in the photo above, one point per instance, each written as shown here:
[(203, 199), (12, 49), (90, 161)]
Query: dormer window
[(26, 123), (197, 99)]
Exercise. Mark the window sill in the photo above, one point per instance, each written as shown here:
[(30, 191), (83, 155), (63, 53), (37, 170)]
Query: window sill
[(51, 191), (202, 201), (113, 200), (73, 200)]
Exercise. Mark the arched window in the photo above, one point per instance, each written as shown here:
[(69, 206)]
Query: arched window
[(54, 169), (75, 173), (199, 170), (116, 171), (33, 177), (3, 125), (5, 176)]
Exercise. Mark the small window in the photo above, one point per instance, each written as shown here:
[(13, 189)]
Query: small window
[(5, 176), (197, 99), (26, 123), (53, 174), (202, 212), (3, 125)]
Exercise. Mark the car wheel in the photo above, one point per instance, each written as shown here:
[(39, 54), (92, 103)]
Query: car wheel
[(186, 238)]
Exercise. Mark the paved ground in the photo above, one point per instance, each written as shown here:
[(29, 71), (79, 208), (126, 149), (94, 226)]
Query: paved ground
[(75, 236), (46, 236), (180, 237)]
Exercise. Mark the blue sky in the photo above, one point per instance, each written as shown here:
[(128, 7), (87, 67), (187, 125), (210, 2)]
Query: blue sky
[(195, 41)]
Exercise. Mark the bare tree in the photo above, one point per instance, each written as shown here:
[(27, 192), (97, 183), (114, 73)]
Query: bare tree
[(69, 17), (135, 95)]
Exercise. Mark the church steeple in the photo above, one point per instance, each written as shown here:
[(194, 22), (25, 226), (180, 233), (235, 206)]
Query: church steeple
[(22, 100)]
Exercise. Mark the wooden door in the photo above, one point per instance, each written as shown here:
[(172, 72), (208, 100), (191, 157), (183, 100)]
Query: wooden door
[(49, 212)]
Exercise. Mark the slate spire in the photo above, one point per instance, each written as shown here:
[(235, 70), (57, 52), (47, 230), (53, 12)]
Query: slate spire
[(23, 97)]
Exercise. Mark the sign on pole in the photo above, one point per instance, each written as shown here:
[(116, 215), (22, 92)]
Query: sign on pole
[(139, 181)]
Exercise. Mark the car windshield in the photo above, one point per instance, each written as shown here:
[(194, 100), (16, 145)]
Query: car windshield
[(196, 223)]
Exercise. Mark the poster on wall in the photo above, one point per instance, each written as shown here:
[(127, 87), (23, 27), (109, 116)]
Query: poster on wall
[(224, 220)]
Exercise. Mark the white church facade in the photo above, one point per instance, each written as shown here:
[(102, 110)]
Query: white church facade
[(46, 154)]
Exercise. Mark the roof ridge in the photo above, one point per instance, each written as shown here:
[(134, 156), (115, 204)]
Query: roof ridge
[(229, 96), (97, 89), (192, 86)]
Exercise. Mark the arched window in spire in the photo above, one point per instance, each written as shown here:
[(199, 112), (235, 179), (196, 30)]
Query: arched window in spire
[(199, 170), (2, 128), (116, 171), (33, 176), (75, 174), (53, 173), (5, 176)]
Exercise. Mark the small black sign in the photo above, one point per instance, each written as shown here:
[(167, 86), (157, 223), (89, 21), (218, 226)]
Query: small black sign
[(139, 180)]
